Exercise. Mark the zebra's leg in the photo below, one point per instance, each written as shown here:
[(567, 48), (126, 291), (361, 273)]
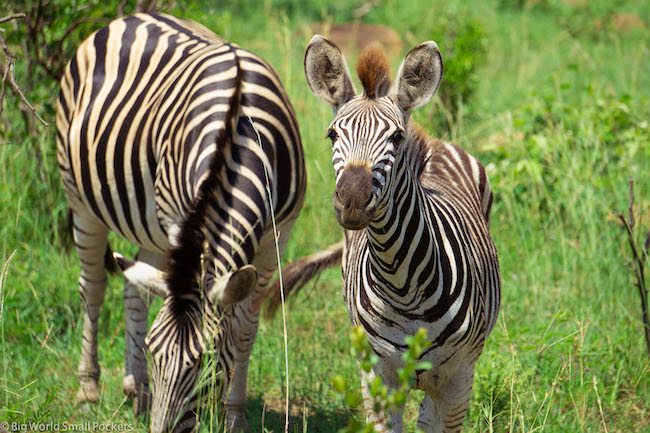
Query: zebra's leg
[(392, 422), (246, 320), (91, 240), (443, 411), (245, 324), (136, 378)]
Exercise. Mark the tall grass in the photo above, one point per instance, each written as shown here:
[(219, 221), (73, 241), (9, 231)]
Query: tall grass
[(560, 119)]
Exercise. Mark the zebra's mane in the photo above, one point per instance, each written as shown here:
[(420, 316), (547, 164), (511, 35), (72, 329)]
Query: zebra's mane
[(422, 148), (374, 73), (184, 259)]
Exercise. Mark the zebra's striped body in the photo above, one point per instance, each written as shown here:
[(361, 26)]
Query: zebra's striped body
[(158, 123), (418, 252)]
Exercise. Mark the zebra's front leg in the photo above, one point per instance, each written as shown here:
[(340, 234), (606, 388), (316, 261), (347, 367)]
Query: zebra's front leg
[(443, 410), (391, 422), (245, 325), (136, 377), (91, 240)]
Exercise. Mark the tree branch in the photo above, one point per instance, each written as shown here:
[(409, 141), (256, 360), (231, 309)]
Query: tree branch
[(7, 71), (639, 264), (12, 17)]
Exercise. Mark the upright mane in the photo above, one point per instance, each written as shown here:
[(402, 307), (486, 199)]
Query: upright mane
[(374, 72), (184, 259)]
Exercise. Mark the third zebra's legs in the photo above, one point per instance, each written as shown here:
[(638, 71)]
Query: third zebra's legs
[(443, 411), (136, 378), (91, 240)]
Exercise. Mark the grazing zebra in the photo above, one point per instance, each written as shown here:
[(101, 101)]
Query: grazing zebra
[(167, 135), (417, 251)]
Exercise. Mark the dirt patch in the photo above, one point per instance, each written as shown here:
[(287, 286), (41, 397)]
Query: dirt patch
[(622, 22), (353, 38)]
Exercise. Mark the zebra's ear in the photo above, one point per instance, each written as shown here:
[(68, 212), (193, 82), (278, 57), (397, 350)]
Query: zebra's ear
[(418, 78), (327, 73), (146, 277), (233, 287)]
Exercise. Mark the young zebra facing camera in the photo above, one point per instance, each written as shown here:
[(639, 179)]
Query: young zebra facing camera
[(417, 250)]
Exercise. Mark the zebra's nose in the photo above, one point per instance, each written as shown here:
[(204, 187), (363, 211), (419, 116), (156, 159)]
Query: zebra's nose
[(354, 198)]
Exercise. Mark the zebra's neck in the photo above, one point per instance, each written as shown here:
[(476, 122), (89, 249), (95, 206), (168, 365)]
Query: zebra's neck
[(402, 251)]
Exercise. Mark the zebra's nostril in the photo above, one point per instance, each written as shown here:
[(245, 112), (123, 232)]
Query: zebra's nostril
[(370, 203)]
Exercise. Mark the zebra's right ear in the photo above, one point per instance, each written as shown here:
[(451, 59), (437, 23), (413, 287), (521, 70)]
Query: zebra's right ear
[(146, 277), (234, 287), (327, 73), (418, 78)]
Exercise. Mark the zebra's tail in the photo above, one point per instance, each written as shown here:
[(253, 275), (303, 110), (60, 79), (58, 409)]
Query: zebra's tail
[(299, 272), (110, 264)]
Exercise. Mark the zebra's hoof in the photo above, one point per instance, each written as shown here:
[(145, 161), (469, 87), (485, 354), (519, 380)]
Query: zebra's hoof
[(128, 384), (142, 403), (87, 392), (236, 423), (139, 393)]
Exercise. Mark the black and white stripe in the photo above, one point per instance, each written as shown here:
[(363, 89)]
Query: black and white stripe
[(417, 252), (158, 123)]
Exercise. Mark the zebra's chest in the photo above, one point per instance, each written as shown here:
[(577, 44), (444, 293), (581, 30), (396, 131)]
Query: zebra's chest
[(421, 291)]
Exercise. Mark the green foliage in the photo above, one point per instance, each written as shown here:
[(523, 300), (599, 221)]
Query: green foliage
[(463, 44), (384, 399), (554, 150)]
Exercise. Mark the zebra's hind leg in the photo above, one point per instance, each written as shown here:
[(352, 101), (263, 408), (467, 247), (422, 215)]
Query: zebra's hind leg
[(136, 378), (91, 241), (443, 411)]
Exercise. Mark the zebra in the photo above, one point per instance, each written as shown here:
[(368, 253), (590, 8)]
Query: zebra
[(417, 251), (186, 146)]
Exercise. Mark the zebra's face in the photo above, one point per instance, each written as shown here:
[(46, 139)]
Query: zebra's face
[(366, 137), (368, 129), (176, 347)]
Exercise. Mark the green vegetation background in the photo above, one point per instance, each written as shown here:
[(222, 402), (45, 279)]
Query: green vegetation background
[(551, 95)]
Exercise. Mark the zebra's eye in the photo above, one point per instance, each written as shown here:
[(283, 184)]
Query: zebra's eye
[(397, 137), (332, 135)]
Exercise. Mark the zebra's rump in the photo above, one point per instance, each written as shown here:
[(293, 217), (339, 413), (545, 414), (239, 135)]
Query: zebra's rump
[(141, 108)]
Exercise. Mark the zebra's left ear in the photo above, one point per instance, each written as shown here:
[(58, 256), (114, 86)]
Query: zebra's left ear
[(418, 78), (327, 73), (146, 277), (233, 287)]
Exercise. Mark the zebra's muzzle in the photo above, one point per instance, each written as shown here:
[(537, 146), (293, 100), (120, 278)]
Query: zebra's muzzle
[(354, 198)]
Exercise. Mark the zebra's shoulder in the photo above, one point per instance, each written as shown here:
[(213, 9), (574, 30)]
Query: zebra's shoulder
[(445, 164)]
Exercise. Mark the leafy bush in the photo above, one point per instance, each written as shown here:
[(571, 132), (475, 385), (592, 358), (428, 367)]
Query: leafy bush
[(384, 399), (463, 44)]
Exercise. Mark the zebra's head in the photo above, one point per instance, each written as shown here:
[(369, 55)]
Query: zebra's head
[(177, 341), (368, 130)]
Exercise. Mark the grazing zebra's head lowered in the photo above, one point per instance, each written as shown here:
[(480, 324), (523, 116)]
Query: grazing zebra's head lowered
[(368, 129), (180, 337)]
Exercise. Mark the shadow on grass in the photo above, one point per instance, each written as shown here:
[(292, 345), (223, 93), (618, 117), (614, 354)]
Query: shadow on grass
[(270, 416)]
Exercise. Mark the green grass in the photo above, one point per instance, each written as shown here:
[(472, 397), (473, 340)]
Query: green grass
[(560, 119)]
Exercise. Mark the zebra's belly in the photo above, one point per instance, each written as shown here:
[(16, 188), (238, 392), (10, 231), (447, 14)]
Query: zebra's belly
[(445, 360), (133, 215)]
